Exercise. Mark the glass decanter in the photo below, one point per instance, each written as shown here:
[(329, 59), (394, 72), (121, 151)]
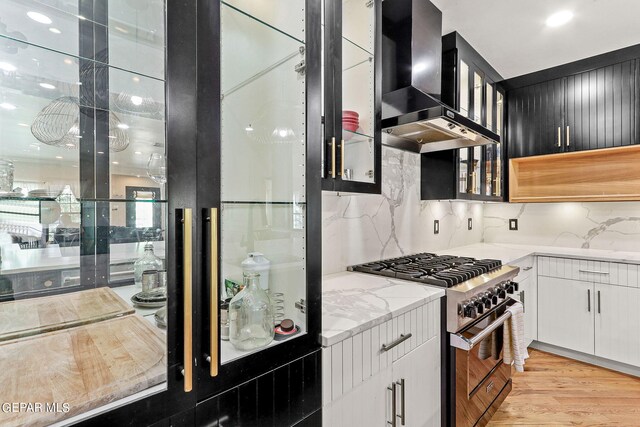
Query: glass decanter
[(251, 316), (148, 261)]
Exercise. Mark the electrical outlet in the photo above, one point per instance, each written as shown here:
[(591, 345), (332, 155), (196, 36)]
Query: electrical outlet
[(513, 224), (470, 224), (436, 226)]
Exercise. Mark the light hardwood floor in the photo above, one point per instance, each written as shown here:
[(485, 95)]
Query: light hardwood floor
[(556, 391)]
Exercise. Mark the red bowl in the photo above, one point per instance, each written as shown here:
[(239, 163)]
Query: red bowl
[(349, 113), (351, 127), (353, 122)]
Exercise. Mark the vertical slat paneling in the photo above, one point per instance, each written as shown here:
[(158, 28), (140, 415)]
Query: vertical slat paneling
[(327, 375), (593, 110), (336, 371), (248, 403), (601, 112), (358, 360), (281, 387), (378, 336), (266, 400), (366, 354), (347, 365)]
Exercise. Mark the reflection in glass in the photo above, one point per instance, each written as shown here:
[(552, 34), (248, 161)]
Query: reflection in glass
[(157, 168), (464, 170), (477, 98), (464, 89), (499, 113), (489, 106), (6, 175)]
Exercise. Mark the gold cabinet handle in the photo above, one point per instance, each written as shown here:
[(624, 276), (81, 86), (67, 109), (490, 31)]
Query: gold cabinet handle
[(559, 137), (213, 292), (568, 143), (342, 158), (187, 261), (333, 157)]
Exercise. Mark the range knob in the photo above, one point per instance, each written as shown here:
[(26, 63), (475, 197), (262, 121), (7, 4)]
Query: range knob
[(500, 292), (486, 300), (469, 310), (479, 306)]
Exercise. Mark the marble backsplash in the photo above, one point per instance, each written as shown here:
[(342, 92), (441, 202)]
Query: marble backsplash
[(359, 228), (602, 225)]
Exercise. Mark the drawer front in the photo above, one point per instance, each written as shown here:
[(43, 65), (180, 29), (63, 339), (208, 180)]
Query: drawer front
[(527, 267), (611, 273), (350, 362)]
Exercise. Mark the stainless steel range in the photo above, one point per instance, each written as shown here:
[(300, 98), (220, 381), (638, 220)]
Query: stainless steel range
[(475, 381)]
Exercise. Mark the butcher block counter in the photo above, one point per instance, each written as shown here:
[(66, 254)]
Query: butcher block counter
[(77, 351), (38, 315)]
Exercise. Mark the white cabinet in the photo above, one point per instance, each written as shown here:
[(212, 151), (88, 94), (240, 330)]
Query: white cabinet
[(565, 313), (358, 374), (370, 404), (420, 371), (617, 323)]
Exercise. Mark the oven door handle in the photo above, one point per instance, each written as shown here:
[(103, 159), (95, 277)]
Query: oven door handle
[(466, 344)]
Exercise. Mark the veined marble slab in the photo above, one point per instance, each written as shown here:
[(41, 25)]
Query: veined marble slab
[(354, 302), (507, 252)]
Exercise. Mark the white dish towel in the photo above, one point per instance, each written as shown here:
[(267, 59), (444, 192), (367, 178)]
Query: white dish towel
[(515, 350)]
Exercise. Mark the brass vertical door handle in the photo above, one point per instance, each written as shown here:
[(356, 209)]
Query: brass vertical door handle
[(342, 158), (213, 292), (559, 137), (333, 157), (568, 142), (187, 270)]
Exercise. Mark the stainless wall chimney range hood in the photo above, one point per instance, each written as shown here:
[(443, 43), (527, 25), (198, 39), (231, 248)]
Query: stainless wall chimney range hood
[(413, 117)]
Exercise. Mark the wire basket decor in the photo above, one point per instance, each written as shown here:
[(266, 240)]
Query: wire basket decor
[(58, 125)]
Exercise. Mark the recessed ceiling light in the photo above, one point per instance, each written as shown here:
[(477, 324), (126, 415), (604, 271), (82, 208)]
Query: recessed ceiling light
[(5, 66), (23, 125), (58, 157), (39, 17), (100, 152), (138, 152), (81, 17), (55, 30), (47, 86), (123, 126), (122, 30), (68, 61), (136, 100), (559, 18), (7, 106), (249, 128), (135, 79), (115, 163), (112, 137)]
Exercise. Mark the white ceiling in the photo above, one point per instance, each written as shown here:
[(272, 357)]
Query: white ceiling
[(512, 36)]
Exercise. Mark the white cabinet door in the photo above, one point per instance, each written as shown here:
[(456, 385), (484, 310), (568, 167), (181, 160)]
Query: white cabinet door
[(420, 370), (369, 404), (566, 313), (617, 325)]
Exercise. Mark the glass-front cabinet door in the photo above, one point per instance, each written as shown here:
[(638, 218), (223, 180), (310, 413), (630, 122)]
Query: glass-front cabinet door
[(352, 108), (88, 297), (260, 264)]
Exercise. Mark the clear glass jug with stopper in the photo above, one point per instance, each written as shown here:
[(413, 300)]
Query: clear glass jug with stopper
[(251, 316)]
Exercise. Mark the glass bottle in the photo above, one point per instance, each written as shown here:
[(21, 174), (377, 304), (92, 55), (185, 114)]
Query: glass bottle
[(148, 261), (251, 316)]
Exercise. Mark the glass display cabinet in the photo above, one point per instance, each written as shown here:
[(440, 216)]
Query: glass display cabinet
[(469, 86), (148, 152), (352, 34)]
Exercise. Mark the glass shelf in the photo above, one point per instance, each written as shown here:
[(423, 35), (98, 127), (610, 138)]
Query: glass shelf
[(285, 16), (358, 23), (350, 136)]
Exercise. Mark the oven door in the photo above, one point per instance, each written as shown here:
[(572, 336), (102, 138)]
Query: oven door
[(480, 374)]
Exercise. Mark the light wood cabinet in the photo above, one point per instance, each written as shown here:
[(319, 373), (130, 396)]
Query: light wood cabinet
[(565, 313)]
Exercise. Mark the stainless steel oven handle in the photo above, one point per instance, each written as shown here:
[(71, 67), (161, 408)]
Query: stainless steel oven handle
[(466, 344)]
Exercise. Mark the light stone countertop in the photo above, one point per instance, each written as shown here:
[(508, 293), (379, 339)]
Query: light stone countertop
[(354, 302), (507, 252)]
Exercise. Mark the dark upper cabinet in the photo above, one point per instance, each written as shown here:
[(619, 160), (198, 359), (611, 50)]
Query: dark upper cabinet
[(469, 86), (352, 96), (587, 110)]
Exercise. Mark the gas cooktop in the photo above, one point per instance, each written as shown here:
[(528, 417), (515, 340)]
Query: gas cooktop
[(437, 270)]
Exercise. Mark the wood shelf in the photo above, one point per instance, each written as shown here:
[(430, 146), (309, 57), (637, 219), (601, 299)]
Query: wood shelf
[(610, 174)]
